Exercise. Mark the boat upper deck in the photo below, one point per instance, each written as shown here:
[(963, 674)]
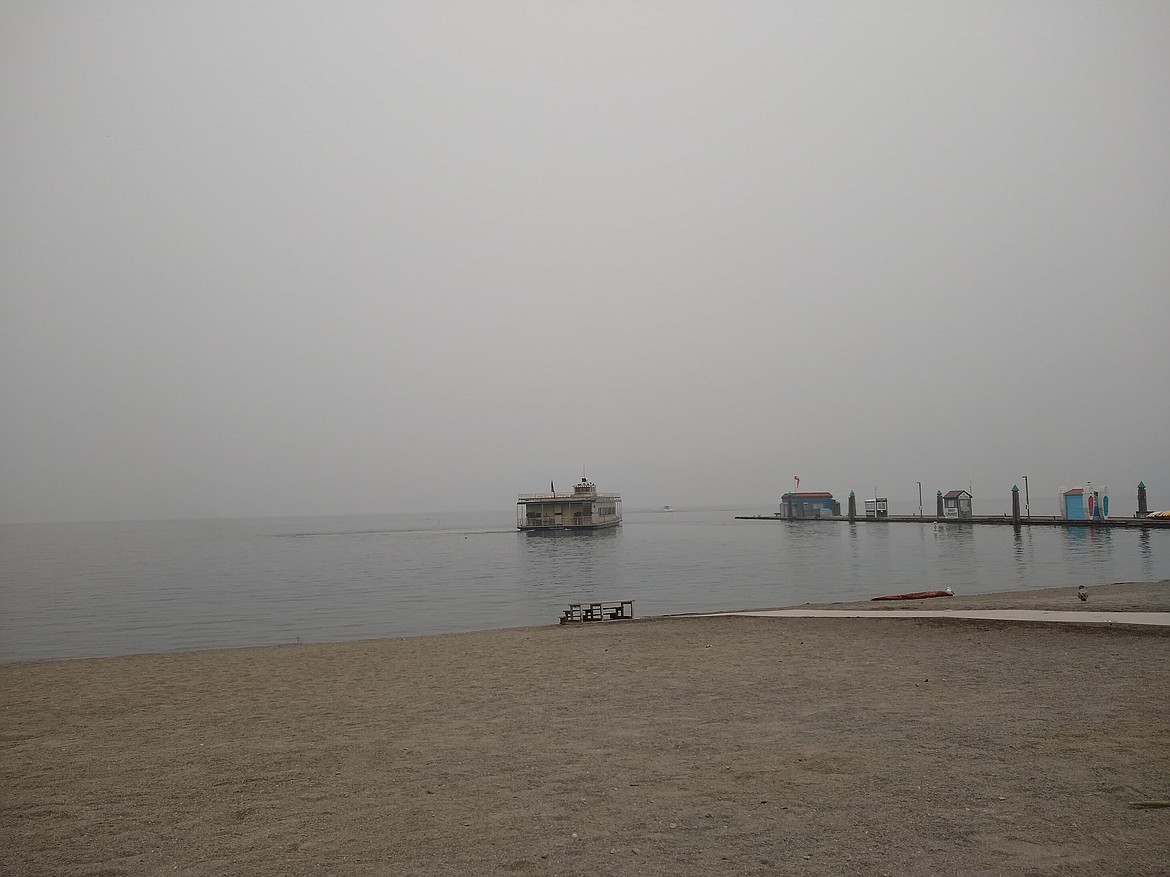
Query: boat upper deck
[(583, 490), (567, 497)]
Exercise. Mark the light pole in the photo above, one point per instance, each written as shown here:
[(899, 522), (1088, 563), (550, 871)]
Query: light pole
[(919, 500), (1027, 501)]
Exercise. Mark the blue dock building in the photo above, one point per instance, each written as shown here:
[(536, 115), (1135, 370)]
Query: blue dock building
[(809, 504)]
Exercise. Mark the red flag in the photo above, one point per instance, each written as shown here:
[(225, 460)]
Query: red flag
[(797, 479)]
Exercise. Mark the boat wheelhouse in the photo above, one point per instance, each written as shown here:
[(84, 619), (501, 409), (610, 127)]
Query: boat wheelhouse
[(583, 509)]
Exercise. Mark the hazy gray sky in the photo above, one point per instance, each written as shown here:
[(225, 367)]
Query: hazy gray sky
[(308, 258)]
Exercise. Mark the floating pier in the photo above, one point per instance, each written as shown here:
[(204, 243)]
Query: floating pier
[(954, 509), (1001, 520)]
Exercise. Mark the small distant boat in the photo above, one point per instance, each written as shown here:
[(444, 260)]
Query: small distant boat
[(667, 508), (585, 508)]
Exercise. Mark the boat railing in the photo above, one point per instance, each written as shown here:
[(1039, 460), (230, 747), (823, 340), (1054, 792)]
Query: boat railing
[(567, 497)]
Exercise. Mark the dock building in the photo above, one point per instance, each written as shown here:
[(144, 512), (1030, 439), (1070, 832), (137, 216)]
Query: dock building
[(1072, 504), (809, 504), (956, 504), (1084, 503)]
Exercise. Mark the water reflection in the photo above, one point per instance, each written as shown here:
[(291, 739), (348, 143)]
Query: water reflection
[(811, 559), (1024, 546), (562, 564), (955, 537), (1146, 552), (811, 536), (1090, 543), (878, 534)]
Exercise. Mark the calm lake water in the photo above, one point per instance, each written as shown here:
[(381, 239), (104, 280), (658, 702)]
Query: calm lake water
[(71, 590)]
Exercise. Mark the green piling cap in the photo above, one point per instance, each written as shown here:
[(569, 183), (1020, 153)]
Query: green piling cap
[(940, 493), (1141, 485), (1015, 489), (851, 493)]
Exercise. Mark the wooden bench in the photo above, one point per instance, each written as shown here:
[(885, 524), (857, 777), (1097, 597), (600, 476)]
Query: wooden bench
[(598, 610)]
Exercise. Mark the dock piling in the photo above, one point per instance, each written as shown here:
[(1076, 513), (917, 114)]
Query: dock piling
[(1016, 506), (852, 507), (1142, 510)]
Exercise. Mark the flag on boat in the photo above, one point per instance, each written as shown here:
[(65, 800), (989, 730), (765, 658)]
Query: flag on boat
[(796, 478)]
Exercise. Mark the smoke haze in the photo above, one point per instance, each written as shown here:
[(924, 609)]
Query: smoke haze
[(296, 258)]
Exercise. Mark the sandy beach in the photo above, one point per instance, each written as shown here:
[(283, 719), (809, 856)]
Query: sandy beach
[(661, 746)]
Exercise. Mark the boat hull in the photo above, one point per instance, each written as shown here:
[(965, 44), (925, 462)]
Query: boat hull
[(551, 528)]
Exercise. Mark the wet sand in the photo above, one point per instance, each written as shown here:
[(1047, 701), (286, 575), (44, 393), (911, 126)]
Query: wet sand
[(668, 746)]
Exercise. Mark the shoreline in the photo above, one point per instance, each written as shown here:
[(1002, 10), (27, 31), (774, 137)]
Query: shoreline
[(1118, 597), (1113, 597)]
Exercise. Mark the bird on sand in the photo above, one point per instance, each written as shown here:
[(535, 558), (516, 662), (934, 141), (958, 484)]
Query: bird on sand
[(1082, 594)]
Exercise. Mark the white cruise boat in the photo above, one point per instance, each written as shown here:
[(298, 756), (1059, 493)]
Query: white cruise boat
[(585, 508)]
